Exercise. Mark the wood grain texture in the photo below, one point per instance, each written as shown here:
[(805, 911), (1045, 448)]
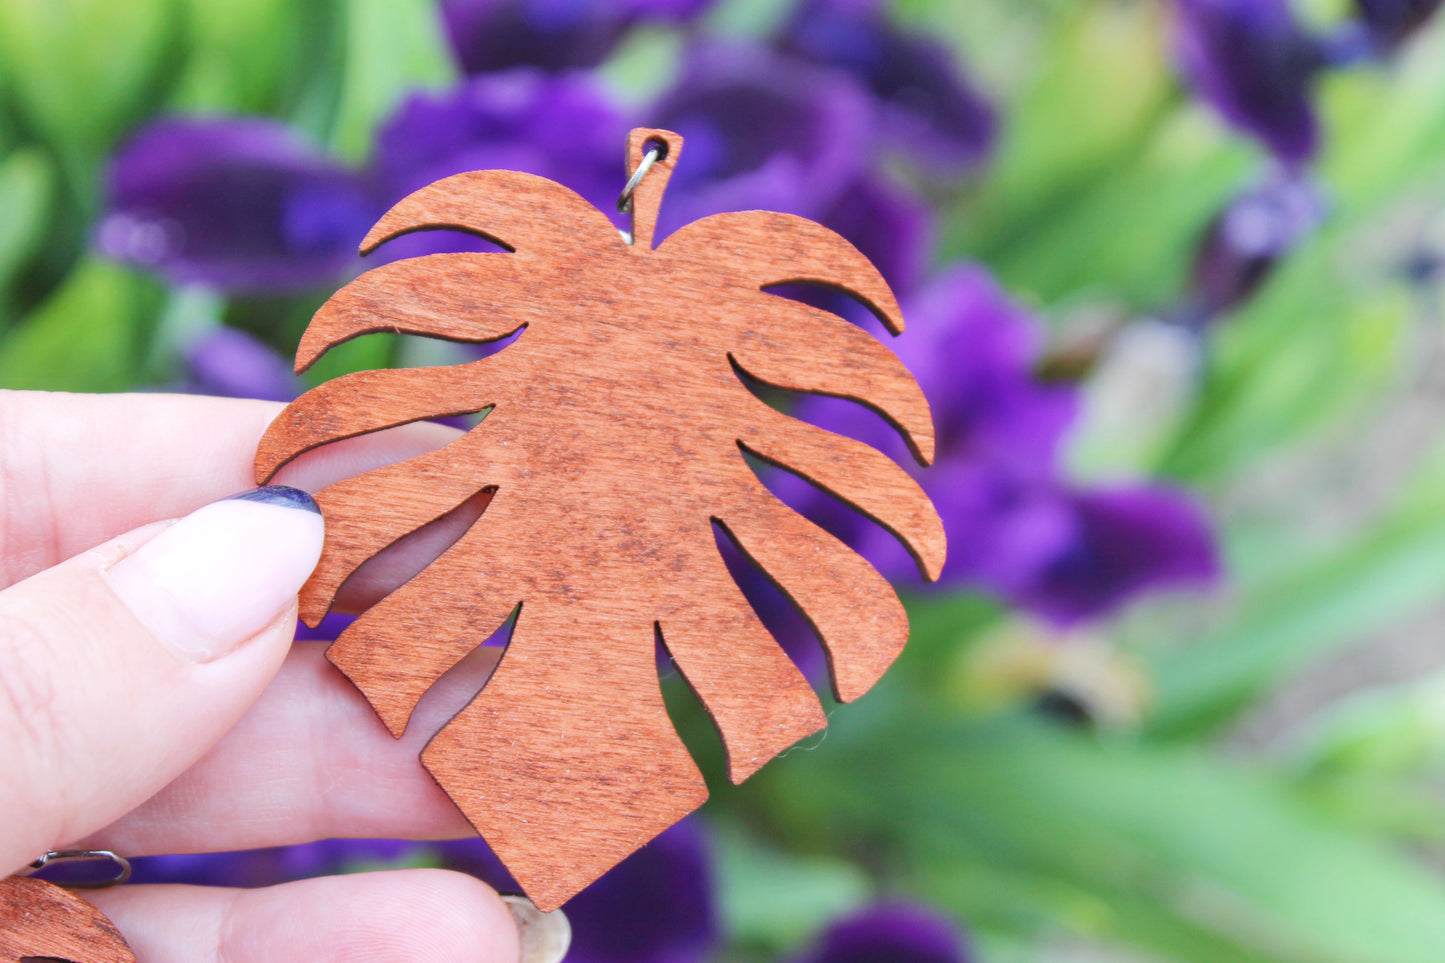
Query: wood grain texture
[(41, 920), (614, 443)]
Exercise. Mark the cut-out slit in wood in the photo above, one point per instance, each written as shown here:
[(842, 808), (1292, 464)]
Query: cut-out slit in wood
[(833, 301), (615, 442), (800, 348), (367, 401), (440, 241), (888, 553), (365, 529), (464, 680), (691, 719), (779, 614), (759, 701), (406, 558), (455, 623), (911, 527)]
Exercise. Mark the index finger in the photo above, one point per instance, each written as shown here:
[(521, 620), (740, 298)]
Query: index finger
[(77, 470)]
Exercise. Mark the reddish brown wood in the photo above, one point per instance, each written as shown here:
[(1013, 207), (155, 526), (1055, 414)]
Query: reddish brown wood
[(614, 442), (41, 920)]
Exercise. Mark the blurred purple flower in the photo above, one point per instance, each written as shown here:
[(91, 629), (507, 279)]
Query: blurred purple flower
[(233, 364), (1389, 23), (241, 205), (974, 355), (1255, 63), (563, 128), (783, 620), (657, 906), (928, 108), (1246, 241), (1122, 543), (892, 227), (488, 35), (762, 132), (1015, 526), (891, 933)]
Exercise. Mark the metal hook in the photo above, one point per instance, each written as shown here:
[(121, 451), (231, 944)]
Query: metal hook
[(57, 857), (655, 150)]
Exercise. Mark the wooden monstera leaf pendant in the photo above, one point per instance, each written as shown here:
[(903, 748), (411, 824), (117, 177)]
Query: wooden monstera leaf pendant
[(614, 441), (41, 921)]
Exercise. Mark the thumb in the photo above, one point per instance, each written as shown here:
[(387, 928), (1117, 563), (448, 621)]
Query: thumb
[(120, 667)]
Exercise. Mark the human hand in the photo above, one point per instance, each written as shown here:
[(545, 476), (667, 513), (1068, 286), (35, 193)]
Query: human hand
[(151, 700)]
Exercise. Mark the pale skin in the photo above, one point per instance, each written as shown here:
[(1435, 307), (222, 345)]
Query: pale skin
[(107, 740)]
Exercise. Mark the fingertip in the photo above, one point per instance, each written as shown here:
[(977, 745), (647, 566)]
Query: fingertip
[(222, 574), (414, 914), (424, 914)]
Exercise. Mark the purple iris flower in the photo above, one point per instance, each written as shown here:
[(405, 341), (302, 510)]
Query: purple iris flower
[(1122, 542), (928, 108), (891, 933), (1015, 526), (489, 35), (1254, 62), (242, 205), (233, 364), (1247, 240), (564, 128), (656, 906), (1390, 23), (763, 131), (892, 227)]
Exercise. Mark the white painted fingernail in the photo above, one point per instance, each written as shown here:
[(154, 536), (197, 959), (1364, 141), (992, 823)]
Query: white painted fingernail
[(224, 572), (545, 937)]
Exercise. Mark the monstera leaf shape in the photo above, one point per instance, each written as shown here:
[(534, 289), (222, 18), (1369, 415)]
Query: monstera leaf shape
[(613, 443), (41, 921)]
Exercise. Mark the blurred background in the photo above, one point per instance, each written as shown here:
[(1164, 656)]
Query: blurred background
[(1173, 275)]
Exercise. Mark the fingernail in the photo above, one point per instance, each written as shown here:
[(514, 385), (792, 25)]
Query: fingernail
[(545, 937), (224, 572)]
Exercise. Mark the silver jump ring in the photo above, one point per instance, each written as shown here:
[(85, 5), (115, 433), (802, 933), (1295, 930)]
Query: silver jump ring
[(54, 858), (654, 151)]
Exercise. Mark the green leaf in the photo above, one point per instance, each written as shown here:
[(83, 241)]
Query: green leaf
[(1375, 757), (1102, 83), (87, 337), (775, 901), (644, 64), (390, 48), (1331, 326), (239, 52), (1315, 343), (27, 185), (1129, 232), (1363, 586), (1395, 730), (81, 70), (1020, 827), (358, 354)]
